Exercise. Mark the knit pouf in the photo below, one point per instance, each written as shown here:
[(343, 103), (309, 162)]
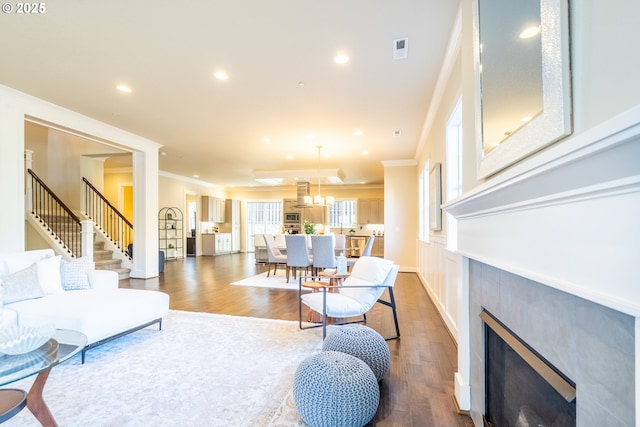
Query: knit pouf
[(362, 342), (335, 389)]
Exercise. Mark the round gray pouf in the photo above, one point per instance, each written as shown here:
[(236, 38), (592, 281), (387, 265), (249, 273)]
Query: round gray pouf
[(362, 342), (335, 389)]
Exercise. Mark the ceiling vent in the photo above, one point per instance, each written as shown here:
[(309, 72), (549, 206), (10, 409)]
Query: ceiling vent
[(400, 48)]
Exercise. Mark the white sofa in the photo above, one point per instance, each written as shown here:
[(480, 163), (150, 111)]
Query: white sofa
[(101, 310)]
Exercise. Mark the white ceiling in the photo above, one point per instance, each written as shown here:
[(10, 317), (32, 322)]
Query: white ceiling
[(77, 52)]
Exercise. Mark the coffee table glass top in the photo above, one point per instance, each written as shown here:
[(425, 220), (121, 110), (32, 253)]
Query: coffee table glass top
[(63, 345)]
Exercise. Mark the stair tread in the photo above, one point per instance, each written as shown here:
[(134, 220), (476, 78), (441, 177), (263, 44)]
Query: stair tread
[(103, 262)]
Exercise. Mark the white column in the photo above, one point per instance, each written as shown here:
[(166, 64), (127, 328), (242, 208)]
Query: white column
[(145, 214), (87, 238)]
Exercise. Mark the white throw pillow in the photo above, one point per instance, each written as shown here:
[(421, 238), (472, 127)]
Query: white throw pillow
[(49, 275), (371, 269), (73, 274), (21, 285)]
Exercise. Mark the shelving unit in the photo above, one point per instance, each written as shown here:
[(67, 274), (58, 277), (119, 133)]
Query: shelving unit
[(171, 233)]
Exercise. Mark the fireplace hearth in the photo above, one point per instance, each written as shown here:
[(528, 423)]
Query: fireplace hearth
[(523, 389)]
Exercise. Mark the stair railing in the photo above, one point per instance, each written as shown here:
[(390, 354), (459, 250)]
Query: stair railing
[(53, 214), (107, 218)]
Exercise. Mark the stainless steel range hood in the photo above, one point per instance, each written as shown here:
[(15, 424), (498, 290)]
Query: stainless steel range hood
[(303, 191)]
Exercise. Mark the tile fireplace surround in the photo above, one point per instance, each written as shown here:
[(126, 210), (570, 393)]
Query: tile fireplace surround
[(551, 247), (591, 344)]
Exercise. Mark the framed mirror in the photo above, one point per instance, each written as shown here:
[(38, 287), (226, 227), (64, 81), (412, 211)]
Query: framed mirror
[(522, 65)]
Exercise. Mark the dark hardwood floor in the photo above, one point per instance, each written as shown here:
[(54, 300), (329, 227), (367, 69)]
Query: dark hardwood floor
[(418, 391)]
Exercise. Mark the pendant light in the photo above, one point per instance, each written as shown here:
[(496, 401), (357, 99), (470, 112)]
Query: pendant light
[(318, 199)]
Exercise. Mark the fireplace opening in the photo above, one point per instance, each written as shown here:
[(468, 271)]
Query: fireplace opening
[(521, 388)]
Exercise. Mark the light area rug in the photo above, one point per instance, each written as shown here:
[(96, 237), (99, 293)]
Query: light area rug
[(200, 370), (277, 281)]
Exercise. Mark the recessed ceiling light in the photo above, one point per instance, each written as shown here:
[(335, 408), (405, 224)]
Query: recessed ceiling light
[(221, 75), (341, 58), (397, 133), (289, 157), (365, 153), (196, 176), (300, 83), (124, 88), (529, 32), (358, 133), (266, 140)]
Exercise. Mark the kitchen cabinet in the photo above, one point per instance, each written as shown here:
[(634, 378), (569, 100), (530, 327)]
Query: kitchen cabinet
[(223, 243), (232, 224), (216, 243), (370, 211), (356, 244), (378, 247), (315, 214), (213, 209)]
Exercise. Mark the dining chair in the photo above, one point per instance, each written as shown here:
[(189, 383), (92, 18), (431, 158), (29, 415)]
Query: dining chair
[(368, 246), (274, 256), (365, 252), (297, 253), (341, 244), (323, 249), (260, 249), (359, 292)]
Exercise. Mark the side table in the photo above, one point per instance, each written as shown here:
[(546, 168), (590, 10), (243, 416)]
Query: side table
[(63, 345)]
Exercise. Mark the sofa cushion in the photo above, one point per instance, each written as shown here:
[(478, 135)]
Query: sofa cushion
[(49, 275), (21, 285), (10, 262), (73, 274)]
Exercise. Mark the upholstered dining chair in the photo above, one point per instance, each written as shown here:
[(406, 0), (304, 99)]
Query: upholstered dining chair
[(274, 256), (323, 249), (365, 252), (341, 244), (297, 253), (368, 246), (359, 292)]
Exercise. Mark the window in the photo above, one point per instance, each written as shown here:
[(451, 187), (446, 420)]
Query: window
[(263, 217), (343, 214), (423, 204)]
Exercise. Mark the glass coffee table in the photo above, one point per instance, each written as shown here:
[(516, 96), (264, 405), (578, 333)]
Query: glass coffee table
[(63, 345)]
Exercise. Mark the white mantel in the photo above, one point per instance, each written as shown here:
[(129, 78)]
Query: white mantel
[(568, 217)]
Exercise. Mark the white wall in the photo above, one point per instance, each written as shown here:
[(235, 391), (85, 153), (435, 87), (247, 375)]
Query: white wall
[(12, 218), (15, 108), (439, 269), (400, 213), (605, 59)]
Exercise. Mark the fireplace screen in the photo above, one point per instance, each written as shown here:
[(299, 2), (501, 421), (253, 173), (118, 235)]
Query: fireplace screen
[(522, 389)]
